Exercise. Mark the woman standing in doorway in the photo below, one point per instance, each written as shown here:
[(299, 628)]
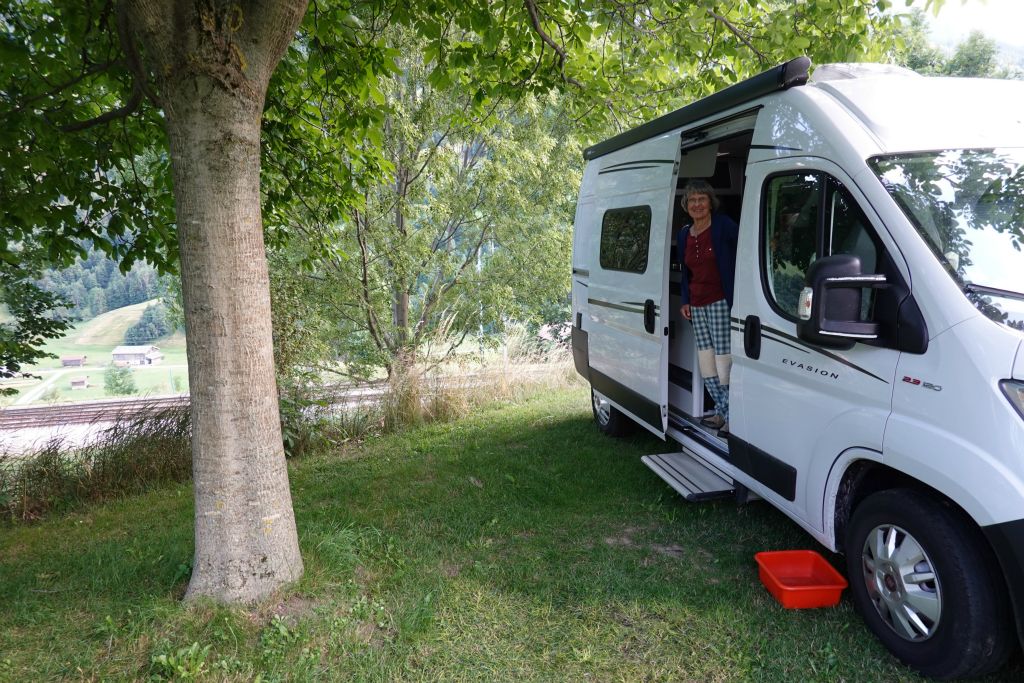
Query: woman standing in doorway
[(707, 250)]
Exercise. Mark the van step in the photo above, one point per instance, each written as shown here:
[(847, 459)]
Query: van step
[(689, 476)]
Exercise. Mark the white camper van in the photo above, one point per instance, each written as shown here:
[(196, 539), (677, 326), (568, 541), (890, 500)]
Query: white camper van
[(877, 385)]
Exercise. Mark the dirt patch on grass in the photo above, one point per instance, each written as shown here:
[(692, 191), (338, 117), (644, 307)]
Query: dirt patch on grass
[(364, 577), (450, 570), (12, 552), (620, 542), (625, 538), (373, 634), (671, 550), (365, 631), (290, 610), (293, 608)]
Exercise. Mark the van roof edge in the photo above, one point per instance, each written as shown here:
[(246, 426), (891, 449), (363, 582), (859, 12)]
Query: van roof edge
[(787, 75)]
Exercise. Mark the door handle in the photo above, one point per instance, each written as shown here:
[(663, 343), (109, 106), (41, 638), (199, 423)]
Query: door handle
[(752, 337), (649, 316)]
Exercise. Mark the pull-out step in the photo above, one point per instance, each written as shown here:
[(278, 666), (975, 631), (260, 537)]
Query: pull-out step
[(690, 476)]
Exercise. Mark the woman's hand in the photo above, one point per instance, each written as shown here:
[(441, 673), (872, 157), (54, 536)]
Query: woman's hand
[(685, 310)]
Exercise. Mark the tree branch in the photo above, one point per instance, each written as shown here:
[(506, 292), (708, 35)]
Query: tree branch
[(266, 29), (91, 71), (130, 106), (531, 9), (739, 34), (131, 52), (371, 318)]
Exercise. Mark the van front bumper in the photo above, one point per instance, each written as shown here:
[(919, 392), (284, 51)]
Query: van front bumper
[(1007, 539)]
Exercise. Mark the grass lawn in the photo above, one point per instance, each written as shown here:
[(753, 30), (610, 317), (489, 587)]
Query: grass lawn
[(515, 545), (151, 381)]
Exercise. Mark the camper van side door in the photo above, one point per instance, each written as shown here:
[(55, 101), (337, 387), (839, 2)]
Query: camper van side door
[(627, 296), (800, 405)]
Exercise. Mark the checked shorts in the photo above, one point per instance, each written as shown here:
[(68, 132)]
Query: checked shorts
[(711, 326)]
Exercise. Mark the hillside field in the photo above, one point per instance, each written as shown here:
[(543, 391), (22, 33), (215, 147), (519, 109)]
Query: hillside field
[(96, 338)]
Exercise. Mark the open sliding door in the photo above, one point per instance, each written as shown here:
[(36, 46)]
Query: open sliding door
[(628, 290)]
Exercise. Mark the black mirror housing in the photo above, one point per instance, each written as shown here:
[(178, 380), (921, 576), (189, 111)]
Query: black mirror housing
[(830, 304)]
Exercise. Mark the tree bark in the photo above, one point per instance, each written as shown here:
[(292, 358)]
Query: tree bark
[(212, 62)]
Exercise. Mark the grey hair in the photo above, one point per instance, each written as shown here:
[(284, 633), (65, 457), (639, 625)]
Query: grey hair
[(700, 187)]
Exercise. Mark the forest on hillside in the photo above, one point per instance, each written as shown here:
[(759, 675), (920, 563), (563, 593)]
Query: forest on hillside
[(94, 285)]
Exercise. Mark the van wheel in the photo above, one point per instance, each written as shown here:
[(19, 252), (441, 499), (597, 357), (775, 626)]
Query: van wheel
[(608, 418), (927, 585)]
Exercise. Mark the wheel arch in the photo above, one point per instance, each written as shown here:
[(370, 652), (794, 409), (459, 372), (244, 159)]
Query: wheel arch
[(857, 473), (861, 478), (864, 476)]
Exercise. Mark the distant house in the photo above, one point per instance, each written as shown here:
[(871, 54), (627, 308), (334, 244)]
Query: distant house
[(80, 382), (73, 361), (137, 355)]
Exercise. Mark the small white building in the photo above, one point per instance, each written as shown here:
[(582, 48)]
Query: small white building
[(80, 382), (137, 355)]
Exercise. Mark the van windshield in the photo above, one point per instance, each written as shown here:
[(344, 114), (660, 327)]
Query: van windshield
[(968, 205)]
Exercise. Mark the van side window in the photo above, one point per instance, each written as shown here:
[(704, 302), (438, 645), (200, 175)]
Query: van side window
[(791, 206), (808, 215), (625, 237)]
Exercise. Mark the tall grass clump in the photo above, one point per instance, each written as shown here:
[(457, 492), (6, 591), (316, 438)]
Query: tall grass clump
[(134, 454), (452, 387)]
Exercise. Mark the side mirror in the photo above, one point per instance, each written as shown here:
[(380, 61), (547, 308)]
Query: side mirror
[(830, 304)]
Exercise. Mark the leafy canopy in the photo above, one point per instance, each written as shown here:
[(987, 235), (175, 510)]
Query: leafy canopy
[(84, 158)]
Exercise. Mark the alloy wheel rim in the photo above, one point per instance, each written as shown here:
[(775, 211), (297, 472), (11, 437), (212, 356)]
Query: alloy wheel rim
[(902, 582)]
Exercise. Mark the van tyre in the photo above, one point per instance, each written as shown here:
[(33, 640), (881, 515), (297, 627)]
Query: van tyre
[(609, 419), (927, 585)]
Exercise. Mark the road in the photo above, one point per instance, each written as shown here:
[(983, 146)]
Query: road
[(38, 390)]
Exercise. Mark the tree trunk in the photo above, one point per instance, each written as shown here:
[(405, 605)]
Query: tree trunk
[(212, 63), (399, 293), (401, 357)]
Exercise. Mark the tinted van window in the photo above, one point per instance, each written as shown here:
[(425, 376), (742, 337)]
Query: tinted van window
[(807, 215), (791, 235), (625, 237)]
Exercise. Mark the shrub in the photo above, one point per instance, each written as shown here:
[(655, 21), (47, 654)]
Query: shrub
[(119, 381)]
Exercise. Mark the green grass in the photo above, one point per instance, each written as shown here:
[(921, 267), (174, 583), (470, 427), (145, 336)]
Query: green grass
[(152, 381), (518, 544)]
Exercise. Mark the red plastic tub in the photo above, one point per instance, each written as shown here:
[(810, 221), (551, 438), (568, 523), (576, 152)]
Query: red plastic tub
[(800, 578)]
